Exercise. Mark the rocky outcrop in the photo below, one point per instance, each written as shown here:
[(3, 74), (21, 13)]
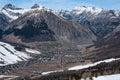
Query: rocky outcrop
[(35, 6)]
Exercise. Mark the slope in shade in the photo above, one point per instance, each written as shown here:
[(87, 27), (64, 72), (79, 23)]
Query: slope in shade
[(107, 47)]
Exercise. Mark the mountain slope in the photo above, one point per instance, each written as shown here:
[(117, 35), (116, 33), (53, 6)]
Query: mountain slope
[(106, 47), (41, 25), (3, 21), (99, 20)]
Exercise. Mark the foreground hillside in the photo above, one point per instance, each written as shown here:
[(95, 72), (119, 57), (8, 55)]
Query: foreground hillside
[(105, 67)]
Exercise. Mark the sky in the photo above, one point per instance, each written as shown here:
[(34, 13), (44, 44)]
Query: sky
[(64, 4)]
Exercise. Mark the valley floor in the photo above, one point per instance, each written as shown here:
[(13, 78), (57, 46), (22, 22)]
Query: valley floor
[(59, 63)]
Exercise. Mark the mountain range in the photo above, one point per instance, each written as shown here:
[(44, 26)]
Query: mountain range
[(105, 20), (82, 35), (100, 21)]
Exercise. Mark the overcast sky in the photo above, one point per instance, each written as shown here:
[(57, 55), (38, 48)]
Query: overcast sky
[(64, 4)]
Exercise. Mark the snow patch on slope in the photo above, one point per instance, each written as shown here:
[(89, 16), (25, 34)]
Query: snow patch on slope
[(85, 66), (106, 77), (46, 73), (8, 55), (9, 77), (32, 51), (93, 64), (81, 9)]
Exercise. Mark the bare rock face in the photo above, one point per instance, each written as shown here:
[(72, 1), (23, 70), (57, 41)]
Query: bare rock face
[(3, 21), (42, 25)]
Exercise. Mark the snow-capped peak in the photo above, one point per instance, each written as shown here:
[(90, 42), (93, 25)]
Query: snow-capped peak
[(117, 13), (38, 7), (88, 9), (12, 7), (12, 12)]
